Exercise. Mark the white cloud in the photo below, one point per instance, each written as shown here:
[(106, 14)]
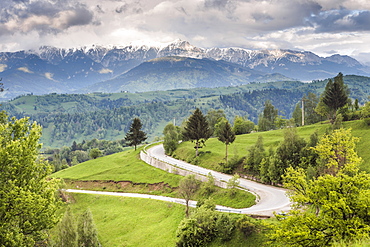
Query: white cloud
[(316, 25)]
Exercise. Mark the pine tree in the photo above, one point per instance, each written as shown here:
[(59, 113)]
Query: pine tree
[(87, 232), (267, 120), (335, 95), (135, 135), (197, 130), (67, 230)]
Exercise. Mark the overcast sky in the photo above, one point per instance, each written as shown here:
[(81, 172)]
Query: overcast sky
[(325, 27)]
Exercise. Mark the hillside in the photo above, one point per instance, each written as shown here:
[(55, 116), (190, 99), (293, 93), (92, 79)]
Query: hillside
[(77, 117), (169, 73)]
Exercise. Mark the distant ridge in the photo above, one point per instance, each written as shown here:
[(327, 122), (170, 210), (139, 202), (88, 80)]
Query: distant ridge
[(51, 69)]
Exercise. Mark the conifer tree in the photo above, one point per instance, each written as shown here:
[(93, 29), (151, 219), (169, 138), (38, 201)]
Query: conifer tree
[(67, 235), (135, 135), (335, 95), (197, 130), (87, 232)]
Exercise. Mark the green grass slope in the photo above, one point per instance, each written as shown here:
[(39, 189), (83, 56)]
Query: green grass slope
[(125, 221), (124, 166)]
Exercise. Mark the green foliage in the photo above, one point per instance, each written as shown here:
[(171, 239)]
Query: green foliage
[(208, 187), (197, 130), (233, 183), (297, 115), (188, 186), (171, 138), (135, 135), (337, 152), (28, 201), (256, 153), (335, 95), (246, 226), (225, 134), (95, 153), (335, 204), (86, 229), (213, 117), (67, 232), (203, 226), (242, 125), (267, 119)]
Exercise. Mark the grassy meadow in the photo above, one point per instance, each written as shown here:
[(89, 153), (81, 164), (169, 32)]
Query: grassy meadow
[(123, 221)]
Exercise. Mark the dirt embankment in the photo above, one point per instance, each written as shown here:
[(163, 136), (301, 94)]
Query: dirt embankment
[(120, 186)]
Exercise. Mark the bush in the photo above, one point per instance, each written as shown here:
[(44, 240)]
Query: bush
[(367, 121), (246, 226)]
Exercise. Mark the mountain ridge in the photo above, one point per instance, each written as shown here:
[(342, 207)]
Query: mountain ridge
[(50, 69)]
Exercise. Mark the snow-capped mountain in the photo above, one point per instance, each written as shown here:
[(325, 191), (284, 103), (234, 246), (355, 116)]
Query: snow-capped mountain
[(51, 69)]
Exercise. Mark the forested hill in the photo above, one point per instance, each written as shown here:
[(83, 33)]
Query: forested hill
[(67, 118)]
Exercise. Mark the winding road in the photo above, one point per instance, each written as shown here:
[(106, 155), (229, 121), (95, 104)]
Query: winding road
[(270, 199)]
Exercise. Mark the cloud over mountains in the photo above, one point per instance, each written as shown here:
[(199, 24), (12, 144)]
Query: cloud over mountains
[(338, 26)]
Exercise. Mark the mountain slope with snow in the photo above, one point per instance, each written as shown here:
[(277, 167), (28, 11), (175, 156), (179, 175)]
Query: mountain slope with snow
[(51, 69)]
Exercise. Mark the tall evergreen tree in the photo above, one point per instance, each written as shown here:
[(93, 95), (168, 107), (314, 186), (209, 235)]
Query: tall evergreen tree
[(335, 95), (267, 120), (225, 134), (135, 135), (67, 235), (197, 130), (87, 232)]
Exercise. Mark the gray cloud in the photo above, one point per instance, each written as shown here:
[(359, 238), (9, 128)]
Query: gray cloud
[(43, 16), (342, 20)]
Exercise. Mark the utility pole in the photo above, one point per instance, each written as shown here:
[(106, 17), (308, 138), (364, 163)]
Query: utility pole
[(302, 112)]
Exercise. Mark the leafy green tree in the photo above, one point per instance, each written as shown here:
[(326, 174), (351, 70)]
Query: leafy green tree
[(87, 232), (337, 151), (188, 186), (208, 187), (242, 125), (95, 153), (256, 154), (203, 226), (289, 150), (135, 135), (267, 120), (335, 95), (171, 138), (213, 117), (311, 101), (331, 207), (67, 234), (233, 183), (197, 130), (225, 134), (28, 201)]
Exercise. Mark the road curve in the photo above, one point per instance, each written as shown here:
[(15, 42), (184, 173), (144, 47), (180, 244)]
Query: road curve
[(270, 199)]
